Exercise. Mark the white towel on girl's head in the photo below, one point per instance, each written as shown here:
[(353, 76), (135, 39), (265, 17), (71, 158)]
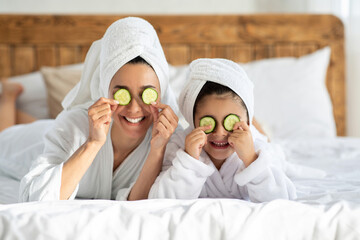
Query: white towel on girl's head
[(123, 41), (222, 71)]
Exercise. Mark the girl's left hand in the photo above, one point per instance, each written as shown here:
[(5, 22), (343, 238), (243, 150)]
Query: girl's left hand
[(165, 123), (241, 140)]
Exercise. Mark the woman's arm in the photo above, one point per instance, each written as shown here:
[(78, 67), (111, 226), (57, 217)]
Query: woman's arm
[(75, 168), (148, 174), (165, 123), (99, 116)]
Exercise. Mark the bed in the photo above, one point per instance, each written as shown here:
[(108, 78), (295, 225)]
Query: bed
[(297, 65)]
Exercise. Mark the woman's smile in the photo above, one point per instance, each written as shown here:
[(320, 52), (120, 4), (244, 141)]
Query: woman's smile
[(134, 121)]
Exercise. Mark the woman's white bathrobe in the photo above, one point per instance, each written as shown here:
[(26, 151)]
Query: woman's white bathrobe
[(185, 177), (68, 132)]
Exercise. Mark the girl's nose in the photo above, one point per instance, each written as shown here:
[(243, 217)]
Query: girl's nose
[(220, 130)]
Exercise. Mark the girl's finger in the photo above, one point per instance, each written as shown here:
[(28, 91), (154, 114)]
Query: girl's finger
[(204, 128), (244, 126)]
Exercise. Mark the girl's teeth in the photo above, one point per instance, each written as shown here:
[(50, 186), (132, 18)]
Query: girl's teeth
[(219, 144), (134, 120)]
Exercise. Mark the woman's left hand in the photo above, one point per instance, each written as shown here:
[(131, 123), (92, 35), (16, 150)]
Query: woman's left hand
[(241, 140), (165, 123)]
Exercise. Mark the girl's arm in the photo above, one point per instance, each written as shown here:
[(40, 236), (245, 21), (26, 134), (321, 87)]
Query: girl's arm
[(182, 176), (264, 180)]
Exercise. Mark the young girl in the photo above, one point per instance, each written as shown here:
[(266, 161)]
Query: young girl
[(110, 140), (221, 155)]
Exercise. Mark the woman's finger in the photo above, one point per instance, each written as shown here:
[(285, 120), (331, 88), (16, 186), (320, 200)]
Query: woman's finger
[(154, 113), (103, 100), (166, 123), (166, 109)]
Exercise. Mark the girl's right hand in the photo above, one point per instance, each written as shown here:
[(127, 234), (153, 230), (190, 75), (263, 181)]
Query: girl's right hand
[(195, 141), (99, 115)]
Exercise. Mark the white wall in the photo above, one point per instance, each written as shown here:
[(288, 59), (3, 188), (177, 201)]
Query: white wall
[(127, 7), (348, 10)]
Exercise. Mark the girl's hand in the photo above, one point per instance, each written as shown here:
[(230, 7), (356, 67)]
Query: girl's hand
[(99, 115), (195, 141), (165, 123), (241, 140)]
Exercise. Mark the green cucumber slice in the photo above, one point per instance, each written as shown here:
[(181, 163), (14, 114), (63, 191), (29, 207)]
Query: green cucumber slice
[(122, 96), (230, 121), (205, 121), (149, 95)]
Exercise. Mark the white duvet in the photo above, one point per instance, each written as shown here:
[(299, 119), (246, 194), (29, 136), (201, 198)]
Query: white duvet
[(326, 174)]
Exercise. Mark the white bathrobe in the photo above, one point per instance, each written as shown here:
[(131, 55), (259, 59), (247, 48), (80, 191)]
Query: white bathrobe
[(124, 40), (185, 177), (69, 132)]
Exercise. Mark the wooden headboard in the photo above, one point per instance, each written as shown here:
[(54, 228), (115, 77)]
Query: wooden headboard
[(28, 42)]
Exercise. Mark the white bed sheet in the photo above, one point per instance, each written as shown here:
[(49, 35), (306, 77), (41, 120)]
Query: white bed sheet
[(328, 207)]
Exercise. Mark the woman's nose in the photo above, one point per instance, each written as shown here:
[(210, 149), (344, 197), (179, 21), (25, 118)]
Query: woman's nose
[(134, 106)]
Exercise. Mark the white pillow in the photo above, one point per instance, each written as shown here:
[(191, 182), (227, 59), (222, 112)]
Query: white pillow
[(33, 99), (291, 99)]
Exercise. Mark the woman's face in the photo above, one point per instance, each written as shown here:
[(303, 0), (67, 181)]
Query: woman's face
[(135, 118), (218, 107)]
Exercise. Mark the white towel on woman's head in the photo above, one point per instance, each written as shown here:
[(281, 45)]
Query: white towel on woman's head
[(221, 71), (124, 40)]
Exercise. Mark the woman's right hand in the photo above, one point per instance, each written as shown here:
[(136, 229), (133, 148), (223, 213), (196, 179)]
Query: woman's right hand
[(99, 115), (195, 141)]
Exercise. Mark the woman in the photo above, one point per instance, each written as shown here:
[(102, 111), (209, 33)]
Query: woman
[(97, 148)]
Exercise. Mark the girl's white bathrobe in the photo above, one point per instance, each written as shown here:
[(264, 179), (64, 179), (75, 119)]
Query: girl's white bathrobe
[(185, 177)]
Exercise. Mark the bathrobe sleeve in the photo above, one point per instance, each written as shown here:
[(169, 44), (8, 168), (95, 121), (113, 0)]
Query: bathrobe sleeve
[(43, 181), (265, 179), (182, 176)]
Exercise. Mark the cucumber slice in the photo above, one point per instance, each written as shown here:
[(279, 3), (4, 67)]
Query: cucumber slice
[(205, 121), (149, 95), (230, 121), (122, 96)]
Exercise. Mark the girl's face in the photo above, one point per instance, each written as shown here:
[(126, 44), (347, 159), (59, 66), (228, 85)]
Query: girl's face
[(135, 118), (218, 107)]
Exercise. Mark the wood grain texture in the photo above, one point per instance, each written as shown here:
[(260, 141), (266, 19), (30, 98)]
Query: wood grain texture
[(28, 42)]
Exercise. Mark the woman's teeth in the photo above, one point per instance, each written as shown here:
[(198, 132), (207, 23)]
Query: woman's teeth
[(134, 120)]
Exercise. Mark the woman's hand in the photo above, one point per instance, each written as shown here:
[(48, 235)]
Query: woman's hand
[(165, 123), (241, 140), (195, 141), (99, 115)]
